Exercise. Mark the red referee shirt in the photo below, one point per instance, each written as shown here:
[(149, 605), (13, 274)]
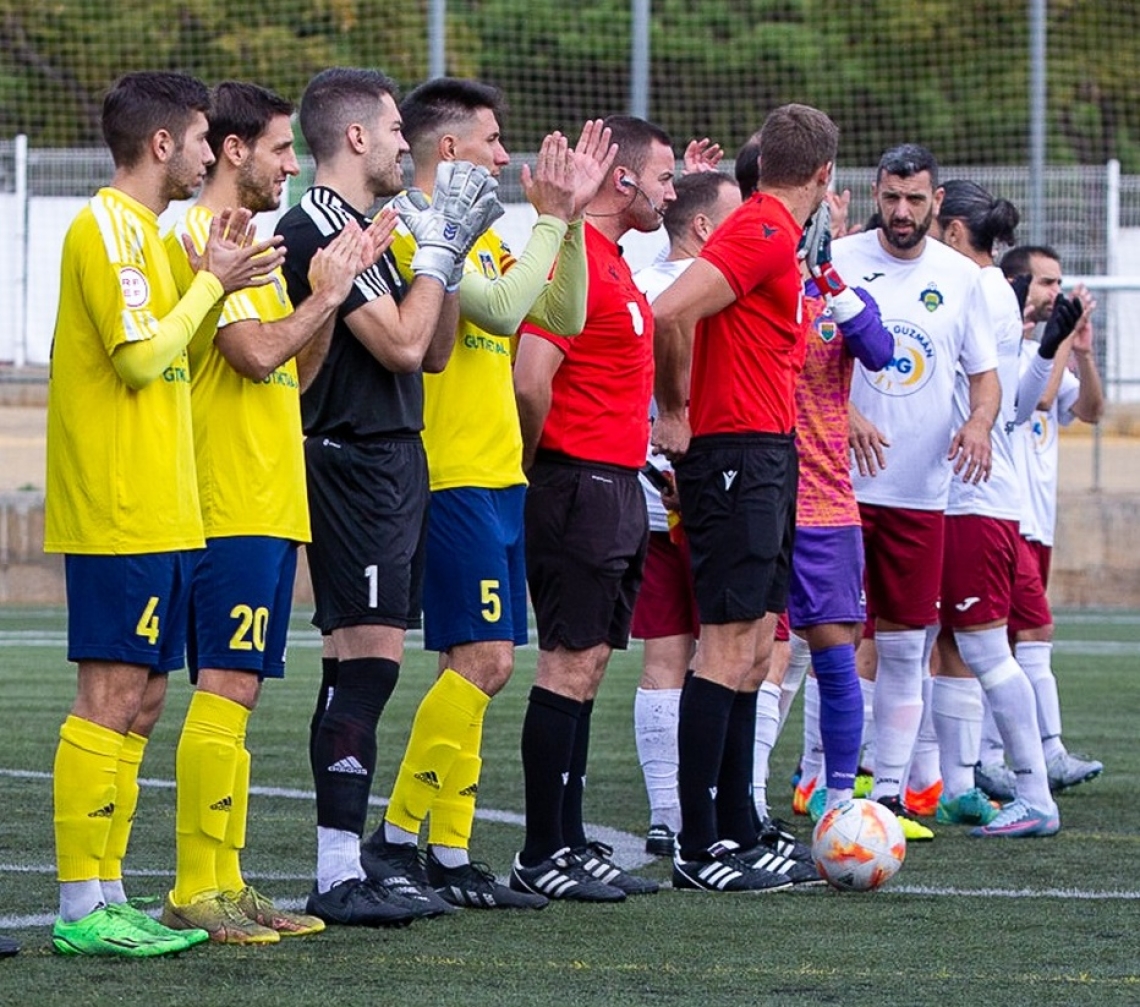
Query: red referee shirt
[(600, 403), (746, 357)]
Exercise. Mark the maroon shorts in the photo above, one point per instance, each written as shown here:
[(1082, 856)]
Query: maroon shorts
[(783, 628), (978, 570), (666, 604), (1029, 608), (903, 550)]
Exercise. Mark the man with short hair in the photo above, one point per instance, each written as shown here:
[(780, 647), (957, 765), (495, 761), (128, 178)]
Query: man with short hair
[(1072, 393), (665, 614), (927, 294), (736, 318), (245, 394), (584, 411), (365, 461), (122, 497), (474, 580)]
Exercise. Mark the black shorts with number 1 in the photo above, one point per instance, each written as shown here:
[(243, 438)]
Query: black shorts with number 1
[(368, 502)]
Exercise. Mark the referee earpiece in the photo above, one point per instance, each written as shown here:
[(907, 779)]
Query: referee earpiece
[(628, 182)]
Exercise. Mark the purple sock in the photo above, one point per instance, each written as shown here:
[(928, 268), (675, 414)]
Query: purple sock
[(840, 713)]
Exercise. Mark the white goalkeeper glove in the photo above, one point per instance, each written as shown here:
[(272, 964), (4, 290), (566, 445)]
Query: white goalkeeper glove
[(464, 205)]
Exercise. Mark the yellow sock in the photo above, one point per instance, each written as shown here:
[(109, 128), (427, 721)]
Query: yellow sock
[(205, 767), (453, 813), (228, 862), (86, 764), (126, 801), (441, 722)]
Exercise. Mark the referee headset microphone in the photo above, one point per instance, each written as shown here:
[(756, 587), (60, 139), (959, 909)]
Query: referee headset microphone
[(629, 183)]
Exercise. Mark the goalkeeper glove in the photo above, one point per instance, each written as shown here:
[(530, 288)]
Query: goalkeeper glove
[(1063, 319), (815, 250), (464, 206), (1020, 284), (816, 245)]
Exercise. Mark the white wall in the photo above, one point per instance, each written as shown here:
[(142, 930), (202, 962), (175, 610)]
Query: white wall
[(11, 290), (1124, 321)]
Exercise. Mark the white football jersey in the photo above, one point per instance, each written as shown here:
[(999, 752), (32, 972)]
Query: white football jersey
[(1000, 495), (1036, 455), (653, 280), (928, 304)]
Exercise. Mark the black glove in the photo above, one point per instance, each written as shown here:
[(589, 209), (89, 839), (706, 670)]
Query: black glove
[(1020, 286), (1066, 313)]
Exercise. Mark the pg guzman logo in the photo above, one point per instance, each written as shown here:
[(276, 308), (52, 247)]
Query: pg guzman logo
[(1043, 432), (911, 367)]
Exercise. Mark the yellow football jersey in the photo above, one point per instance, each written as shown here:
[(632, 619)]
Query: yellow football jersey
[(471, 423), (247, 434), (120, 462)]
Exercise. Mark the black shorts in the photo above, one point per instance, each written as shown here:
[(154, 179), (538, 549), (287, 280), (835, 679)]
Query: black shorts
[(738, 508), (368, 503), (586, 537)]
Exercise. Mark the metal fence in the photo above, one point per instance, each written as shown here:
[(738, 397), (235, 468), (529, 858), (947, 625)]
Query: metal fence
[(1091, 216)]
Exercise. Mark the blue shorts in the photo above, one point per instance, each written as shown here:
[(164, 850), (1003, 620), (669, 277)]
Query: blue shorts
[(129, 609), (475, 579), (240, 603), (827, 577)]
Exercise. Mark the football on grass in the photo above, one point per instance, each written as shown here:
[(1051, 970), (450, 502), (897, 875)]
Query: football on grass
[(858, 845)]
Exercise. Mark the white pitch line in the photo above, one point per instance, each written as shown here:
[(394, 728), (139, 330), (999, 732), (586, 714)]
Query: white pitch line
[(1012, 893), (629, 850)]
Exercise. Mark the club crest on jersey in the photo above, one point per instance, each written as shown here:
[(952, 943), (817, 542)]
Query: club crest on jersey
[(487, 264), (827, 329), (912, 365), (136, 290), (931, 298)]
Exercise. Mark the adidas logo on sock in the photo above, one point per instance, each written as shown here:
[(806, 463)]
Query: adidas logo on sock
[(225, 804), (471, 791), (428, 777), (349, 764), (104, 812)]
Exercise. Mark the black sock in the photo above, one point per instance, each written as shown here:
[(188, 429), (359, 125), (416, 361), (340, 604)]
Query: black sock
[(735, 812), (573, 829), (702, 726), (344, 750), (548, 733), (329, 667)]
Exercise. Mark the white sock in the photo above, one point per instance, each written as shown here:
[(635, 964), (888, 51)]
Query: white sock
[(78, 898), (1036, 660), (924, 769), (867, 761), (338, 857), (401, 837), (767, 729), (987, 654), (655, 732), (992, 748), (898, 706), (799, 660), (811, 762), (957, 704), (451, 856), (114, 894)]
